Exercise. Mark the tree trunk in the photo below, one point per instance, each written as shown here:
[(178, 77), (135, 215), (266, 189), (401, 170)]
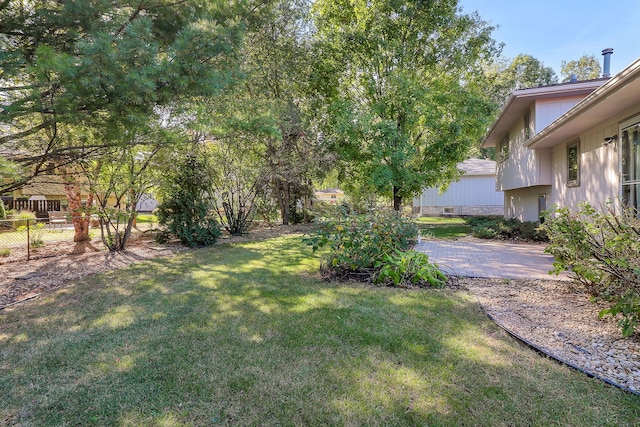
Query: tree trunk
[(285, 206), (79, 219), (397, 199)]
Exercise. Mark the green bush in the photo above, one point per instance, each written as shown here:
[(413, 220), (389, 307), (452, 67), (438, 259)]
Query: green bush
[(493, 227), (409, 268), (5, 252), (602, 250), (361, 241), (21, 218), (187, 208)]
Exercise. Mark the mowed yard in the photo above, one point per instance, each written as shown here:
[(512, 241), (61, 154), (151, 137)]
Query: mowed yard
[(248, 334)]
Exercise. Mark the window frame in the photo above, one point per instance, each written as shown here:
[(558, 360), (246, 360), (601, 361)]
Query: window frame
[(527, 125), (504, 148), (571, 180)]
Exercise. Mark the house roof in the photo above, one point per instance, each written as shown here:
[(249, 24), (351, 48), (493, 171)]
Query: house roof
[(329, 191), (45, 185), (618, 94), (520, 101), (473, 167)]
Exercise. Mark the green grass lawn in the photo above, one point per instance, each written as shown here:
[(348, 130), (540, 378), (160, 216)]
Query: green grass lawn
[(443, 227), (249, 335)]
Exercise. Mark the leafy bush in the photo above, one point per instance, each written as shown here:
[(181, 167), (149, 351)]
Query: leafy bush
[(602, 250), (359, 241), (493, 227), (409, 268), (35, 234), (21, 218), (5, 252), (187, 206)]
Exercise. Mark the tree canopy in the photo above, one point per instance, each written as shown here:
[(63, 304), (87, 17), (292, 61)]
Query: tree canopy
[(404, 83), (585, 68), (104, 68), (522, 72)]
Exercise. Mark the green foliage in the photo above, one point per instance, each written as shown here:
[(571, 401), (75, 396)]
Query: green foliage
[(360, 241), (406, 94), (628, 306), (105, 70), (409, 268), (35, 233), (585, 68), (187, 206), (524, 71), (5, 252), (602, 250), (490, 227), (3, 211), (22, 218)]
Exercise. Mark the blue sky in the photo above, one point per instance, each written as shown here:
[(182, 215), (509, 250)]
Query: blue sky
[(556, 30)]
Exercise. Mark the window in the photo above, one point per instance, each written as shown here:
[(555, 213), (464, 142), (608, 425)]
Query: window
[(504, 148), (527, 125), (573, 164), (630, 158)]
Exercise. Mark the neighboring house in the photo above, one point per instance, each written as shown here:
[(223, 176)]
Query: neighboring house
[(564, 144), (474, 194), (146, 203), (44, 193), (332, 196)]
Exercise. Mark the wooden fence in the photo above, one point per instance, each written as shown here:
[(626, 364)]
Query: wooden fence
[(40, 207)]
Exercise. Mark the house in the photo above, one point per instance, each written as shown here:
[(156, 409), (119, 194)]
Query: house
[(563, 144), (44, 193), (331, 196), (474, 194)]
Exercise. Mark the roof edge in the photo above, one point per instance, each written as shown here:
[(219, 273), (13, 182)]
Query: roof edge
[(587, 103)]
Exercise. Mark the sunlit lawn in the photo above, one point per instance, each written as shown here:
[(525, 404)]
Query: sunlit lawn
[(249, 335), (443, 227)]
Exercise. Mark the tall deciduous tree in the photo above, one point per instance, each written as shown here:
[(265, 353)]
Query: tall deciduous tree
[(585, 68), (278, 65), (522, 72), (405, 81)]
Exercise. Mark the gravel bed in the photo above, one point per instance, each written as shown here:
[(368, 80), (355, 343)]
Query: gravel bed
[(557, 317)]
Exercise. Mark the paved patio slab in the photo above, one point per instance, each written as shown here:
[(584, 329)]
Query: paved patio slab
[(490, 259)]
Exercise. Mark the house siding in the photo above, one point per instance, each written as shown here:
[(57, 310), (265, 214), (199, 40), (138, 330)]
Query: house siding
[(548, 110), (471, 195), (599, 166), (523, 167), (523, 203)]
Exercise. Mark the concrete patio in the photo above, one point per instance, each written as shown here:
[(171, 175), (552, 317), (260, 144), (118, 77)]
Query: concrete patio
[(490, 259)]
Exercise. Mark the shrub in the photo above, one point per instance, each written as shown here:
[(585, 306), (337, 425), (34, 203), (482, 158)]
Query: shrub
[(409, 268), (5, 252), (602, 250), (187, 208), (373, 247), (493, 227), (35, 234), (358, 241), (21, 218)]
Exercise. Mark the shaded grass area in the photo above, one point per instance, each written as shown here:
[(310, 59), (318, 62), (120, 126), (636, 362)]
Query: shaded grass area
[(248, 334)]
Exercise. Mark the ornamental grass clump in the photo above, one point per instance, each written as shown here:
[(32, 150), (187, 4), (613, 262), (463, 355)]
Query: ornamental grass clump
[(361, 246), (602, 250)]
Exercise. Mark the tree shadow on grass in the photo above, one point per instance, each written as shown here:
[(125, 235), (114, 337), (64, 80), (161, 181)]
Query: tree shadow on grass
[(246, 335)]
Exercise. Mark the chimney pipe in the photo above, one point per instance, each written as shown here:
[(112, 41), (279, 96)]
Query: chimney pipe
[(607, 62)]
